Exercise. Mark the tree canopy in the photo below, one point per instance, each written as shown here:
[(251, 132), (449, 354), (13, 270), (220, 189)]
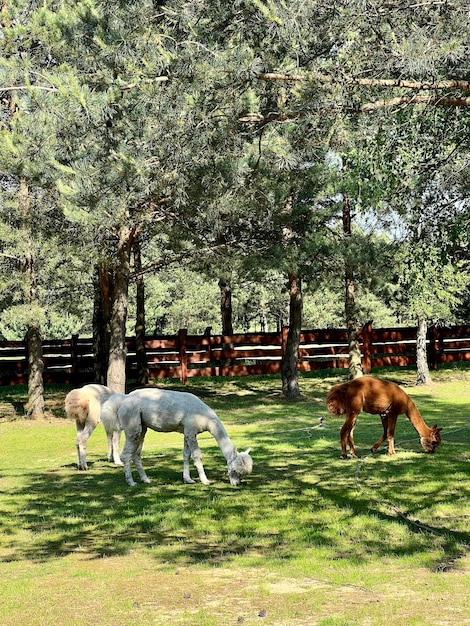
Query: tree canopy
[(228, 136)]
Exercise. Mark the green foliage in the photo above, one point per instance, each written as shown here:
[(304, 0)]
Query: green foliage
[(180, 298), (54, 293), (15, 321), (324, 308), (429, 286), (129, 114)]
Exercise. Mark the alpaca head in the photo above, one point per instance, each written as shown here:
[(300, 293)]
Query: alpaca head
[(432, 440), (239, 464)]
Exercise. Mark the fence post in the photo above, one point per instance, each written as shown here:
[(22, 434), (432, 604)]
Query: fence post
[(433, 347), (367, 348), (74, 357), (182, 336), (208, 334)]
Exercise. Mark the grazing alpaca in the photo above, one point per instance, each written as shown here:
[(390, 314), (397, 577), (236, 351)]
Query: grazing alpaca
[(88, 406), (174, 411), (378, 397)]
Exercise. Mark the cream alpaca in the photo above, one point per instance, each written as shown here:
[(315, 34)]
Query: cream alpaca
[(88, 406)]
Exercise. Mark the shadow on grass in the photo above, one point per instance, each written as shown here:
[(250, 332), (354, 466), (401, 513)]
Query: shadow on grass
[(300, 497)]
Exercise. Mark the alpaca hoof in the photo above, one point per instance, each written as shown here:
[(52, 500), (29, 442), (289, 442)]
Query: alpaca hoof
[(132, 484), (147, 481), (119, 463), (205, 482), (188, 481), (83, 468)]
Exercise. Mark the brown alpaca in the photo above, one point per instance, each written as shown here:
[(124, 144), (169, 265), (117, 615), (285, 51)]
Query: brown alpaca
[(378, 397)]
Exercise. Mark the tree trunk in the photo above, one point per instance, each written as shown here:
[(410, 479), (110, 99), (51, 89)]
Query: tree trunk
[(226, 316), (289, 372), (226, 307), (263, 323), (35, 405), (141, 353), (355, 369), (423, 376), (103, 290), (116, 378)]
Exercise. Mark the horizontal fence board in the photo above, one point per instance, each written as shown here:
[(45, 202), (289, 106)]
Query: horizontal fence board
[(393, 361), (453, 357)]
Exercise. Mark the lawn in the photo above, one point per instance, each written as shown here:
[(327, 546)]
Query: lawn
[(307, 539)]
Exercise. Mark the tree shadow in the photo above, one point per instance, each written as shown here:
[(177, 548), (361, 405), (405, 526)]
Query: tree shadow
[(301, 495)]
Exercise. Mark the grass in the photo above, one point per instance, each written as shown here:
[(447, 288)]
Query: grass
[(307, 539)]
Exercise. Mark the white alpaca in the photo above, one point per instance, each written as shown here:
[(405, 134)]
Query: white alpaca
[(174, 411), (88, 406)]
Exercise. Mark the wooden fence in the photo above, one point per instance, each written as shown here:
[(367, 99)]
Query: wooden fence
[(184, 355)]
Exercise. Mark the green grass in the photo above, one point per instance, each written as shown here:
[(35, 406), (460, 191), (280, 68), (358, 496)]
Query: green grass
[(308, 538)]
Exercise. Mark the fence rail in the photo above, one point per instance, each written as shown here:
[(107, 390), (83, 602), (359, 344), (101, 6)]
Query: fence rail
[(183, 355)]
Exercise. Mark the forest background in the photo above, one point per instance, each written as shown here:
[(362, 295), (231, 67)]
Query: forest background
[(156, 158)]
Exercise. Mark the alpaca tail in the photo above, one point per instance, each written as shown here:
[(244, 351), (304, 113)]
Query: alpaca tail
[(77, 407), (335, 400)]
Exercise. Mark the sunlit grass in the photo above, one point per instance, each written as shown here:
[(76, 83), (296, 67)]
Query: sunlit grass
[(305, 529)]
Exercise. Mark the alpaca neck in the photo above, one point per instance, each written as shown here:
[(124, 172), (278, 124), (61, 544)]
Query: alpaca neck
[(417, 421), (217, 430)]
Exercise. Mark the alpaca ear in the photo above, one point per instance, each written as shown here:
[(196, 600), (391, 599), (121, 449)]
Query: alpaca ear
[(234, 453), (247, 451)]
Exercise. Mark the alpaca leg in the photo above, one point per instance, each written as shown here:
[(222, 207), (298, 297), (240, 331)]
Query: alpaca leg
[(186, 470), (392, 422), (344, 434), (114, 438), (351, 442), (115, 441), (110, 446), (191, 448), (378, 443), (83, 434), (138, 459), (126, 457), (197, 459), (347, 437), (128, 452)]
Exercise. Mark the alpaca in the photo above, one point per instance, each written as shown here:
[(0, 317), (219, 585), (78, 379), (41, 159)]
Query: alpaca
[(88, 406), (174, 411), (378, 397)]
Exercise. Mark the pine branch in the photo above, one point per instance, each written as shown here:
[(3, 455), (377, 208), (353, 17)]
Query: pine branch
[(27, 87), (148, 81), (156, 265), (363, 108), (418, 99), (129, 87), (463, 85), (385, 83)]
